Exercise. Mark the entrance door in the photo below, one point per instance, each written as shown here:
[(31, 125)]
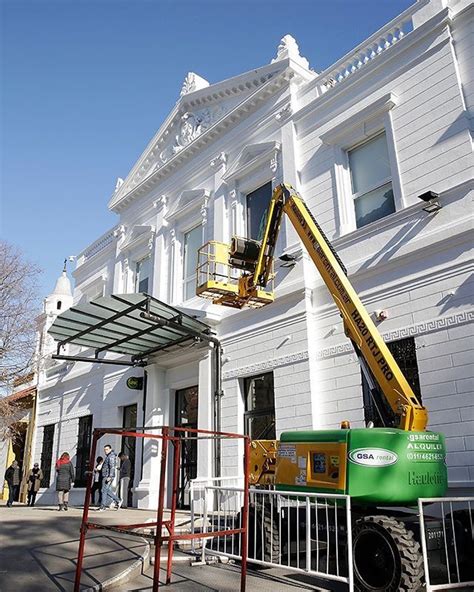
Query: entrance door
[(187, 417)]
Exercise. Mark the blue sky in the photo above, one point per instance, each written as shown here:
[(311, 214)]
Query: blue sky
[(86, 84)]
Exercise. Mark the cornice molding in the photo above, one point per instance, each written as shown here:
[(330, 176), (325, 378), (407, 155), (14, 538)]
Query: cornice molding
[(339, 349)]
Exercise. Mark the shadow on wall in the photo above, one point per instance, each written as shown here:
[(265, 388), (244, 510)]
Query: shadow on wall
[(462, 296)]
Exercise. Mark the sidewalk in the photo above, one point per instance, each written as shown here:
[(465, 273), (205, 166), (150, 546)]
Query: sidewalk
[(38, 551), (38, 548)]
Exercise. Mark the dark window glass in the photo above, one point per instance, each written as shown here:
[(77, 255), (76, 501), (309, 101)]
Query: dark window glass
[(84, 437), (128, 442), (47, 454), (58, 305), (260, 407), (404, 352), (257, 206), (187, 417), (142, 275)]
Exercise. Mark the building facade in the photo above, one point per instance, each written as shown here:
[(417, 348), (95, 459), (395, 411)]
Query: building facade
[(361, 141)]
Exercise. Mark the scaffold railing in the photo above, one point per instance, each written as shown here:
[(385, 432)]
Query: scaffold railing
[(175, 436)]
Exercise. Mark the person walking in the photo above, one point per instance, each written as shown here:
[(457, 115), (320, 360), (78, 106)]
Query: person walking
[(34, 483), (13, 478), (124, 477), (97, 481), (108, 474), (64, 480)]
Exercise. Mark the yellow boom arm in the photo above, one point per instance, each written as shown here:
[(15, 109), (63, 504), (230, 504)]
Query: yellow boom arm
[(358, 325)]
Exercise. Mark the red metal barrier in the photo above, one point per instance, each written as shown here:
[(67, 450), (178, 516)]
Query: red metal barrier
[(174, 435)]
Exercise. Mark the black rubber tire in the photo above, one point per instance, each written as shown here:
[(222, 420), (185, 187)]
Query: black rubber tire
[(265, 531), (387, 558)]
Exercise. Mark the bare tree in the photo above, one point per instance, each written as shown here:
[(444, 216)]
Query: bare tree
[(18, 312), (10, 414)]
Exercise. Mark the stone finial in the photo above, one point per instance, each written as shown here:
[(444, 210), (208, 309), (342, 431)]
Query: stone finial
[(191, 83), (288, 48), (118, 184)]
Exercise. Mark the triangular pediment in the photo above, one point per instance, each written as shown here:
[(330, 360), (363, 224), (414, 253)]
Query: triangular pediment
[(188, 200), (139, 233), (200, 109), (250, 157)]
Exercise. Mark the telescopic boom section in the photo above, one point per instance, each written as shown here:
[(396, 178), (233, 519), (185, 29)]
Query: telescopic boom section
[(359, 327)]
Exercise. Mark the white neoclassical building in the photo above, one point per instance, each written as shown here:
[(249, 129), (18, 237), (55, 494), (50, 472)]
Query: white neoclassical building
[(361, 141)]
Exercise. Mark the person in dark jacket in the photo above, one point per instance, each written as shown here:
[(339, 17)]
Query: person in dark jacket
[(34, 483), (97, 481), (13, 478), (64, 480), (108, 474), (124, 477)]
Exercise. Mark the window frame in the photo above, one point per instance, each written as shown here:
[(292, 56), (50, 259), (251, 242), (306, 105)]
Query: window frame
[(46, 464), (246, 208), (250, 414), (83, 450), (347, 135), (374, 187), (136, 277), (185, 280)]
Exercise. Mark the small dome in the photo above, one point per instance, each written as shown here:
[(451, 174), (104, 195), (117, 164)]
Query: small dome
[(63, 286)]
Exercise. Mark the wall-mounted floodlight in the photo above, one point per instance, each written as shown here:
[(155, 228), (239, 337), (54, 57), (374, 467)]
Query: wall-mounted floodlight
[(287, 260), (432, 202)]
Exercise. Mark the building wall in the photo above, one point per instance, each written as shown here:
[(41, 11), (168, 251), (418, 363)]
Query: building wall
[(413, 264)]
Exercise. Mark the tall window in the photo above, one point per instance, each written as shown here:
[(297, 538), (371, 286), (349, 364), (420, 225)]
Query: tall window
[(257, 206), (142, 275), (192, 242), (404, 352), (371, 181), (84, 436), (260, 407), (47, 454)]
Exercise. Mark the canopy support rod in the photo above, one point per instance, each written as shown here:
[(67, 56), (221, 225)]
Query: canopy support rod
[(97, 360)]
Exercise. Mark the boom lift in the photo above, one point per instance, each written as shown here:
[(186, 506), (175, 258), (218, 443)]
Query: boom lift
[(389, 466)]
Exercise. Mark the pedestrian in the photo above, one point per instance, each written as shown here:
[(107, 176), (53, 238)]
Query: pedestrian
[(97, 481), (34, 483), (13, 478), (124, 476), (64, 480), (108, 474)]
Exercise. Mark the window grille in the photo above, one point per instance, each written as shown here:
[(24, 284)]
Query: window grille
[(84, 437), (404, 352), (259, 415), (47, 454)]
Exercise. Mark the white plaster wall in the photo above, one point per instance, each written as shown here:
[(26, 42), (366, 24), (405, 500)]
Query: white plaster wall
[(407, 263)]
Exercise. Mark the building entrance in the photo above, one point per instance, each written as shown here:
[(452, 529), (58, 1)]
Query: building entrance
[(187, 417)]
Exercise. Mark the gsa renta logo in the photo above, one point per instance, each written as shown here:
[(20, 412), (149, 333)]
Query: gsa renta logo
[(373, 457)]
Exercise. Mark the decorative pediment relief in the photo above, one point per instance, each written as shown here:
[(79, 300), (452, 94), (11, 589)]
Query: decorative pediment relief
[(251, 157), (188, 201), (191, 126)]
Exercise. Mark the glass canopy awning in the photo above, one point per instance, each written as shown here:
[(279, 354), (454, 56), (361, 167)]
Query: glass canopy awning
[(136, 325)]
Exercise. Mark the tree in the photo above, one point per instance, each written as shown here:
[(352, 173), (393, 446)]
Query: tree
[(18, 312)]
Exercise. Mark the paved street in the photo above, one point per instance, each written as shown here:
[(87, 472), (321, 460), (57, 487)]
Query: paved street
[(38, 549)]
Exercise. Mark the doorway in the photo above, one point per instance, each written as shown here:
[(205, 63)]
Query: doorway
[(186, 416), (129, 445)]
